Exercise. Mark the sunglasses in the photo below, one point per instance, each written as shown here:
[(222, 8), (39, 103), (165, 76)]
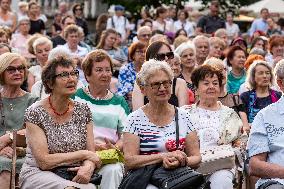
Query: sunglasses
[(157, 85), (12, 69), (66, 75), (162, 56)]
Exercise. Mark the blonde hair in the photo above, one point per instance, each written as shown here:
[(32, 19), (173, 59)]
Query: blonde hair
[(71, 29), (41, 41), (216, 40), (6, 60)]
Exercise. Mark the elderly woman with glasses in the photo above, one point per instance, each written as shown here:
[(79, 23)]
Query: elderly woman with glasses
[(59, 134), (13, 103), (156, 120), (127, 73), (109, 112), (161, 51)]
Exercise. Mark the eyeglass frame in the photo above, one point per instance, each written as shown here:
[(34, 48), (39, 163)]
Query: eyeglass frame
[(67, 75), (170, 55)]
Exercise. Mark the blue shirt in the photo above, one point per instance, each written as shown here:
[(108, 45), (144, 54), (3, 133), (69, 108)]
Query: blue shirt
[(126, 79), (267, 136), (258, 24)]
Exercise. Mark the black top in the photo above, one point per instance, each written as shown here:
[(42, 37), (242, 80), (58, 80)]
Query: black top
[(210, 24), (57, 27), (36, 26), (190, 86), (58, 40), (173, 100), (83, 24)]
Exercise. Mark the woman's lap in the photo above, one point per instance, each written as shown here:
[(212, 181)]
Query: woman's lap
[(49, 180)]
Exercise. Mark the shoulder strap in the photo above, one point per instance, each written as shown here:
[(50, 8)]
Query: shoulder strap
[(174, 85), (112, 22), (177, 128)]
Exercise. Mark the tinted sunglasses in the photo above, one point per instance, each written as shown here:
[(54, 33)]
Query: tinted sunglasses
[(162, 56)]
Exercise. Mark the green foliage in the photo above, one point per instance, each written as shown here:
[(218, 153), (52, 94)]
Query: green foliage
[(134, 6)]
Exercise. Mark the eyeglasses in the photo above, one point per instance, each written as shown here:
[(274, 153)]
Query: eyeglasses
[(145, 35), (66, 75), (12, 69), (162, 56), (80, 9), (157, 85), (101, 70)]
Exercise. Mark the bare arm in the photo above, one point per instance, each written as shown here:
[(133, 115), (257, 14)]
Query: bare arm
[(192, 150), (182, 92), (31, 81), (260, 168), (38, 144), (14, 20), (131, 150), (137, 98), (246, 126)]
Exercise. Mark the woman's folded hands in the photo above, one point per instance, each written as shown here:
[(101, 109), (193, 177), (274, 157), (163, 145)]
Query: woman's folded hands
[(175, 159)]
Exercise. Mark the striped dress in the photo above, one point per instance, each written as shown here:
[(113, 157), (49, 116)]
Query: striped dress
[(109, 116)]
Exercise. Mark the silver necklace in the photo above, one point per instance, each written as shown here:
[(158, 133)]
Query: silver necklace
[(98, 98)]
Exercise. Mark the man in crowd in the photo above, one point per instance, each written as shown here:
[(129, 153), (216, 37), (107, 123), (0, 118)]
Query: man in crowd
[(260, 23), (59, 39), (210, 23), (202, 48), (119, 22), (144, 34)]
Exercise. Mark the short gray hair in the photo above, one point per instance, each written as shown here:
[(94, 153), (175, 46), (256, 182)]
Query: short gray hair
[(214, 61), (177, 56), (200, 37), (149, 68), (250, 80), (279, 69), (184, 46)]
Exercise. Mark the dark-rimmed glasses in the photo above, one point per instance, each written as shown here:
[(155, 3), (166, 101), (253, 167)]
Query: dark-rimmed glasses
[(157, 85), (66, 75), (12, 69)]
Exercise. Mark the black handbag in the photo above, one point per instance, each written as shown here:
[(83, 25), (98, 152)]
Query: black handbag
[(69, 175), (179, 178)]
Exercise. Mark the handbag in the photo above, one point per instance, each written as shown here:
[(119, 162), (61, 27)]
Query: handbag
[(216, 158), (63, 172), (110, 156), (179, 178)]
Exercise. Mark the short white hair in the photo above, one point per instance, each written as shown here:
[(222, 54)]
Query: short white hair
[(151, 67), (279, 69), (58, 51), (200, 37), (41, 41), (184, 46), (214, 61), (143, 28)]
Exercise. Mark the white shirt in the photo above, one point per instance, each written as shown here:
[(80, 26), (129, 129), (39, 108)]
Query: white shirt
[(120, 24), (232, 30), (158, 26), (187, 26), (80, 52)]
